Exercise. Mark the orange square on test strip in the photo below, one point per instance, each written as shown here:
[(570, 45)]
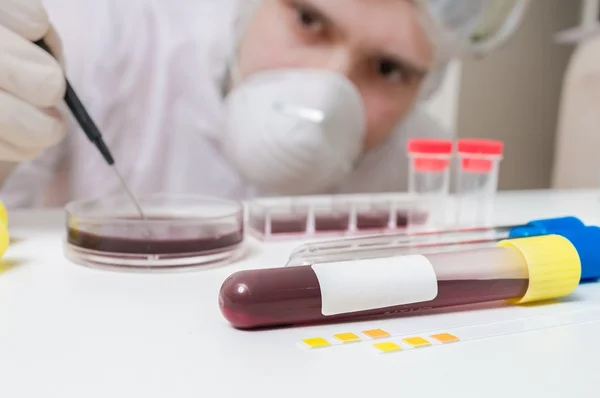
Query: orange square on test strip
[(445, 338)]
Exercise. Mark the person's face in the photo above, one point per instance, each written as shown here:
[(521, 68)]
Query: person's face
[(379, 45)]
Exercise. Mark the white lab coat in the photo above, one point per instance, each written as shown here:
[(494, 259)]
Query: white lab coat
[(150, 73)]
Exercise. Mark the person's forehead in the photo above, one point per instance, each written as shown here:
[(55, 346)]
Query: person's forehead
[(392, 25)]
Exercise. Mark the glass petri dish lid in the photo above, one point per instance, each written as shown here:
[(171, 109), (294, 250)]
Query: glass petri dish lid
[(180, 231)]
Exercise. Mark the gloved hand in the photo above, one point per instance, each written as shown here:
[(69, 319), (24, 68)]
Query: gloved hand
[(32, 83)]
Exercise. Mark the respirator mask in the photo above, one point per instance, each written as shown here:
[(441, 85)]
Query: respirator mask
[(301, 131), (294, 131)]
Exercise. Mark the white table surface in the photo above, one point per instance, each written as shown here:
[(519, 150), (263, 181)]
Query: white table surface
[(67, 331)]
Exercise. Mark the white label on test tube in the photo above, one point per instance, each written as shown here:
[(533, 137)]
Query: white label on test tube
[(352, 286)]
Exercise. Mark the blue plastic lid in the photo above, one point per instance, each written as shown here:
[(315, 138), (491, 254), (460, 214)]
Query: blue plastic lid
[(587, 242), (546, 227)]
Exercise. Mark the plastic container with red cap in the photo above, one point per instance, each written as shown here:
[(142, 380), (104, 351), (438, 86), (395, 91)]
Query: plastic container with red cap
[(429, 176), (477, 180)]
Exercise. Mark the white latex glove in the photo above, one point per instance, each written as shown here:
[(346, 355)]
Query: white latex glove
[(32, 83)]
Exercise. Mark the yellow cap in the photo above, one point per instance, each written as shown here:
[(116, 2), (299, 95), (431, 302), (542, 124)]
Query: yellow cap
[(3, 215), (553, 263), (4, 237)]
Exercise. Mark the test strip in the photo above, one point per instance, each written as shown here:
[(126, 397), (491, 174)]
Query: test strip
[(445, 338), (376, 334), (316, 342), (469, 332), (387, 347), (347, 338), (417, 342)]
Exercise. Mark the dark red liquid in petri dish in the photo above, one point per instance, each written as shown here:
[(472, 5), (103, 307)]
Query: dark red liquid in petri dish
[(332, 222), (153, 239), (291, 296)]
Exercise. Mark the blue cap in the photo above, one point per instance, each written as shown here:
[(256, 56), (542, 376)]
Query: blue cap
[(546, 227), (587, 242)]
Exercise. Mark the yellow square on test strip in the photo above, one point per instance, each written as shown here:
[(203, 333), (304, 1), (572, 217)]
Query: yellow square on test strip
[(417, 342), (387, 347), (316, 342), (347, 337)]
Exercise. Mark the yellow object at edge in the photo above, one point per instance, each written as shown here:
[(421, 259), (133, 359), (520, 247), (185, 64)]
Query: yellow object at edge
[(4, 236), (553, 263), (3, 215)]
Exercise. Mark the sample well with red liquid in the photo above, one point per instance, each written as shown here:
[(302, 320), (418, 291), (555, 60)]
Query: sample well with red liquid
[(179, 231), (523, 270), (339, 215)]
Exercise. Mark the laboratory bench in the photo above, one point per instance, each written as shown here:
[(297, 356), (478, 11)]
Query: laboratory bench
[(71, 331)]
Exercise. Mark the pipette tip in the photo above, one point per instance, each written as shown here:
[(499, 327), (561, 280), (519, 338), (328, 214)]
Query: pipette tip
[(129, 193)]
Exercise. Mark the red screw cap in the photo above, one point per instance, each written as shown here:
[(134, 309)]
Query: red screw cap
[(476, 154), (433, 154), (430, 146), (481, 147)]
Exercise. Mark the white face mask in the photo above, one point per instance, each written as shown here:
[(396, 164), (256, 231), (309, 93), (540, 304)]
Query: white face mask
[(294, 131)]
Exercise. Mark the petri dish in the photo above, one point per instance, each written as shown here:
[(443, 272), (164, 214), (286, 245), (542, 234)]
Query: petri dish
[(180, 231)]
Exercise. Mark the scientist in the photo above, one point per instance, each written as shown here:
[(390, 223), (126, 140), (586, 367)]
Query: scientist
[(232, 98)]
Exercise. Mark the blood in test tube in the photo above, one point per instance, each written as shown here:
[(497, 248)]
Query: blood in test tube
[(524, 270), (332, 290), (292, 295), (164, 240)]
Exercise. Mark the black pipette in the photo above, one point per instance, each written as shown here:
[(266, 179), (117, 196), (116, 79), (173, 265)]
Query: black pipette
[(91, 130)]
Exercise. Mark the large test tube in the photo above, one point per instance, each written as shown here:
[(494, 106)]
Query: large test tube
[(519, 270), (404, 241)]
